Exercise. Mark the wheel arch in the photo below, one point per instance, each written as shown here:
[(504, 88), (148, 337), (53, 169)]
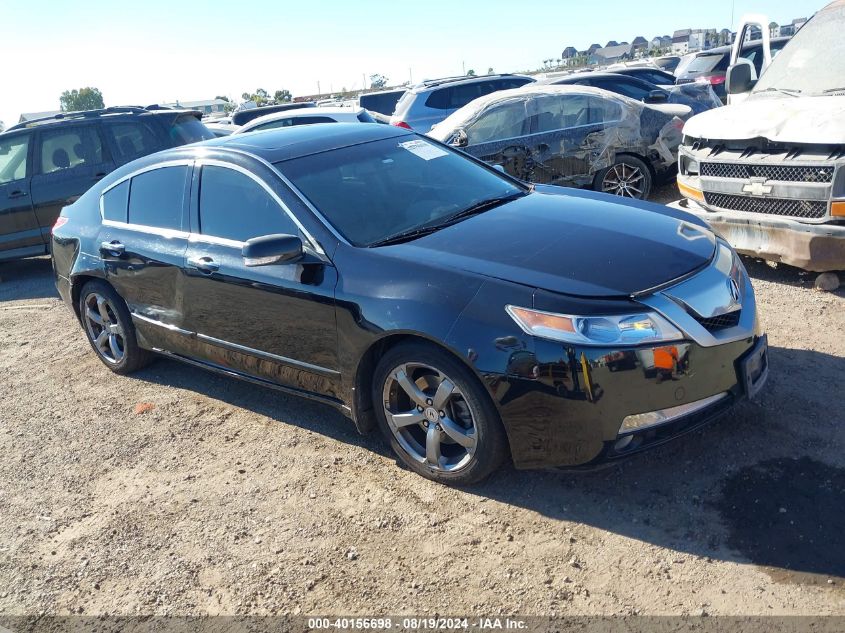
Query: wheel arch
[(77, 283)]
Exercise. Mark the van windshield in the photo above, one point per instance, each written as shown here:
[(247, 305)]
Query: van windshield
[(813, 62)]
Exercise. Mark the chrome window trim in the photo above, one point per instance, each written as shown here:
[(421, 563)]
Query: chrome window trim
[(143, 228), (181, 162), (313, 243)]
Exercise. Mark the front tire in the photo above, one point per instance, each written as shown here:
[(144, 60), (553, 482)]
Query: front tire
[(438, 418), (109, 329), (628, 177)]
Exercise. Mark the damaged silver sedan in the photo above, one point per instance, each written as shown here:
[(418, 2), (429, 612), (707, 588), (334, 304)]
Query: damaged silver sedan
[(571, 135)]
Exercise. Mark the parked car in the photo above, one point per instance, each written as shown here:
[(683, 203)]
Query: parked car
[(221, 129), (307, 116), (430, 102), (651, 75), (383, 102), (710, 66), (667, 62), (698, 97), (570, 135), (242, 117), (48, 163), (768, 173), (467, 314)]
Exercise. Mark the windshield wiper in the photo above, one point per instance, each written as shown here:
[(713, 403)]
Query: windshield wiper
[(792, 92), (426, 229), (829, 90)]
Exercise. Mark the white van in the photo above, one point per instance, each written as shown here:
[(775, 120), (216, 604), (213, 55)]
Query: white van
[(768, 170)]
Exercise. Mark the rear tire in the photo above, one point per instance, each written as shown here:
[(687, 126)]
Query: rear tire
[(109, 329), (627, 177), (438, 418)]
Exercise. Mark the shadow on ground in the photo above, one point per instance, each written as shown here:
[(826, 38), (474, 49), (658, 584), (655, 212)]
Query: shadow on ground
[(27, 279)]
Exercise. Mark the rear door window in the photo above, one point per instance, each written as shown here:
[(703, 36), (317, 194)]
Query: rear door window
[(132, 139), (157, 197), (69, 148), (13, 153), (236, 207), (115, 202), (501, 122)]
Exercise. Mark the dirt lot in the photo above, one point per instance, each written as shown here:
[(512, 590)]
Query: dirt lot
[(176, 491)]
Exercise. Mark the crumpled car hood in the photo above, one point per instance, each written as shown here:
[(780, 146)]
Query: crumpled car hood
[(806, 120)]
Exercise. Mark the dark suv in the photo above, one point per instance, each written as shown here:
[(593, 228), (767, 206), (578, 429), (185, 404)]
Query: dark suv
[(48, 163)]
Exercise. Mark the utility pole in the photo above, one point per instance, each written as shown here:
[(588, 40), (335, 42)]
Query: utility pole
[(464, 67), (364, 77), (318, 88), (410, 77)]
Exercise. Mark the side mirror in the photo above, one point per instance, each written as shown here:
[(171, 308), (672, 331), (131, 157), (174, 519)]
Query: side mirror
[(738, 78), (272, 249), (459, 139), (500, 168), (656, 96)]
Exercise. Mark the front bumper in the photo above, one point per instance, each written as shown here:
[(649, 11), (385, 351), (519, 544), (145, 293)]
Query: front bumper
[(571, 413), (813, 247)]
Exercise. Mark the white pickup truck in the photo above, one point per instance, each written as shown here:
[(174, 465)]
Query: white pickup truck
[(767, 171)]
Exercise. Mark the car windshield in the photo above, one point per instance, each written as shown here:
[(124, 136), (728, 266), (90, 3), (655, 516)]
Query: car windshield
[(383, 188), (814, 60)]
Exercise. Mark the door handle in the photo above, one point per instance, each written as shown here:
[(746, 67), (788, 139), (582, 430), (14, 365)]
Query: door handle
[(18, 194), (115, 249), (543, 147), (203, 264)]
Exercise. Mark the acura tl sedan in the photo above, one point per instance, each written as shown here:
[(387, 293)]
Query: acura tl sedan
[(472, 317)]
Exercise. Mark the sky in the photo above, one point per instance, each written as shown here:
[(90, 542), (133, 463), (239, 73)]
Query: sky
[(159, 51)]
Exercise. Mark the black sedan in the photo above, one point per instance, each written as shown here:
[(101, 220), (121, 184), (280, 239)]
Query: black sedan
[(469, 315)]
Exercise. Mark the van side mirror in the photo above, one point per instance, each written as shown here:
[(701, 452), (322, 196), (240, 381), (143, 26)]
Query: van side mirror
[(738, 78), (656, 96), (272, 249)]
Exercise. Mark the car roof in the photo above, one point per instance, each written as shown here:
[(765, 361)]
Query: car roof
[(573, 79), (302, 112), (457, 81), (297, 141), (112, 113)]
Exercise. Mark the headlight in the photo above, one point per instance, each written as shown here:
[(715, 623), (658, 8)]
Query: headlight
[(689, 166), (626, 329)]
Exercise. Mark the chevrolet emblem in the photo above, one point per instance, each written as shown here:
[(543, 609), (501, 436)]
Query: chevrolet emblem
[(757, 187)]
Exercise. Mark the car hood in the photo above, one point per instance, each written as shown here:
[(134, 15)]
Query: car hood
[(581, 244), (780, 119)]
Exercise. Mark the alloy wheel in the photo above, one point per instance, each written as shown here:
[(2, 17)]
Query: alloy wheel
[(104, 329), (429, 417), (624, 180)]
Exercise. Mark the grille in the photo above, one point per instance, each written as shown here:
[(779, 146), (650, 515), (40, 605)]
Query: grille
[(721, 322), (770, 206), (784, 173)]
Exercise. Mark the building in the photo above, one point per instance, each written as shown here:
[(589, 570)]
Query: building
[(209, 106), (612, 54), (611, 43), (792, 28), (680, 42), (639, 45), (31, 116), (701, 40), (660, 42), (774, 29), (569, 52)]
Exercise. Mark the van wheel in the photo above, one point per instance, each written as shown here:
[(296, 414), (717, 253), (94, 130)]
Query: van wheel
[(438, 418), (628, 177), (109, 329)]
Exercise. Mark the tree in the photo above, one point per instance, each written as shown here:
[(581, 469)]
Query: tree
[(378, 81), (490, 71), (470, 73), (82, 99), (282, 96), (222, 98), (2, 126)]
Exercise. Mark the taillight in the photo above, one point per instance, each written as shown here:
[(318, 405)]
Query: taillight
[(402, 124), (60, 222), (713, 80)]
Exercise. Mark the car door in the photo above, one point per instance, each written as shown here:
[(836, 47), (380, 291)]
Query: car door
[(69, 160), (569, 133), (497, 137), (19, 231), (275, 322), (142, 243)]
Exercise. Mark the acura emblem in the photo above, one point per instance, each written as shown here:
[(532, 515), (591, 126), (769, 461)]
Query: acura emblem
[(734, 289)]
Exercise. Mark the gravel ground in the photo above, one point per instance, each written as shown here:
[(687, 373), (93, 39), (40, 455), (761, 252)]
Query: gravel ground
[(176, 491)]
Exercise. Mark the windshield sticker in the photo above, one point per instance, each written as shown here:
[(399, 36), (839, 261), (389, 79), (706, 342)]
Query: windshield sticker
[(424, 150)]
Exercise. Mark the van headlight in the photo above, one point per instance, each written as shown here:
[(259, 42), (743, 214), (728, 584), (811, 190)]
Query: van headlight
[(625, 329)]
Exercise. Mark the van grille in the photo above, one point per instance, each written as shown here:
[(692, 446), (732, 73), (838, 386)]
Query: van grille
[(784, 173), (812, 209)]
